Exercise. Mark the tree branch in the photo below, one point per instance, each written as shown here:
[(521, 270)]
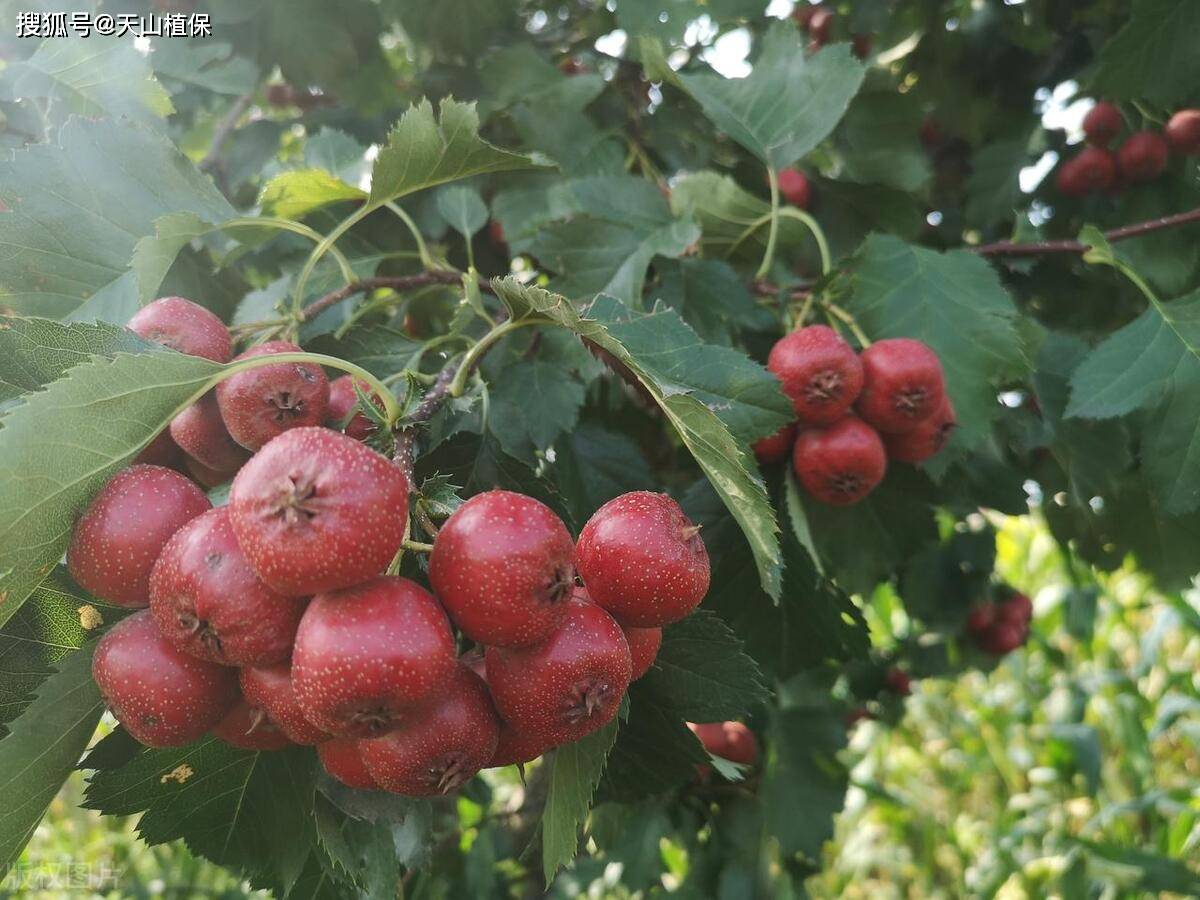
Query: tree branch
[(395, 282), (225, 128), (1008, 248)]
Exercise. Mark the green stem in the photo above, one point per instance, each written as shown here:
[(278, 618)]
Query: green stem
[(769, 256), (472, 356), (418, 547), (805, 309), (296, 228), (850, 322), (324, 246), (422, 250), (818, 234), (750, 228)]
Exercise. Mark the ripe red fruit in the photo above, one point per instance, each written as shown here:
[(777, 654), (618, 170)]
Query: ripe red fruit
[(248, 728), (643, 560), (898, 682), (819, 371), (840, 464), (1143, 156), (342, 399), (163, 697), (316, 510), (927, 439), (1102, 124), (729, 740), (503, 566), (1017, 609), (1093, 169), (515, 746), (201, 433), (259, 404), (820, 25), (208, 602), (981, 618), (568, 686), (496, 233), (643, 648), (342, 759), (440, 747), (1183, 131), (162, 451), (184, 326), (802, 14), (902, 385), (269, 688), (777, 447), (119, 536), (795, 187), (1002, 638), (367, 656)]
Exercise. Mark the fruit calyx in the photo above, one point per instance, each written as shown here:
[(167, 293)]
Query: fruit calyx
[(585, 699), (296, 500)]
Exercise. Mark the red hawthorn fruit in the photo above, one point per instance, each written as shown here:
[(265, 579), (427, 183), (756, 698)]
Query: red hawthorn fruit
[(342, 759), (643, 560), (441, 747), (1092, 169), (927, 439), (568, 686), (119, 536), (981, 618), (1002, 638), (819, 371), (259, 404), (163, 697), (503, 566), (777, 447), (862, 44), (496, 233), (162, 451), (342, 399), (820, 25), (1183, 132), (367, 656), (204, 476), (208, 602), (710, 734), (729, 740), (840, 464), (515, 746), (1102, 124), (249, 728), (1017, 609), (315, 510), (794, 186), (184, 326), (643, 648), (1143, 156), (898, 682), (201, 433), (902, 385), (269, 688), (802, 14)]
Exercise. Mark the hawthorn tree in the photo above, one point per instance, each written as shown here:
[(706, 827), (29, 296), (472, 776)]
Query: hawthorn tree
[(553, 246)]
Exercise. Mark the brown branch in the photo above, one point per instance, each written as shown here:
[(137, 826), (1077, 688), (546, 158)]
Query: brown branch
[(225, 128), (1008, 248), (761, 287), (395, 282)]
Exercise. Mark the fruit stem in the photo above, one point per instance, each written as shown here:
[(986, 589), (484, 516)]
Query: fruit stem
[(418, 546), (422, 250), (850, 322), (804, 311), (471, 358), (296, 228), (324, 246), (818, 234), (773, 232)]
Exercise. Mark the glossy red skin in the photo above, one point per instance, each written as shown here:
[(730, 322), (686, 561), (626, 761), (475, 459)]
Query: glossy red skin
[(503, 566), (927, 439), (840, 464), (902, 385), (342, 399), (341, 758), (643, 560), (270, 689), (541, 690), (119, 536), (1092, 169), (794, 186), (366, 657), (440, 747), (259, 404), (981, 618), (515, 746), (248, 728), (1183, 132), (315, 510), (819, 371), (1102, 124), (184, 326), (643, 648), (1002, 638), (1143, 156), (163, 697), (898, 682), (777, 447), (1017, 609), (208, 602), (162, 451), (729, 740), (201, 433)]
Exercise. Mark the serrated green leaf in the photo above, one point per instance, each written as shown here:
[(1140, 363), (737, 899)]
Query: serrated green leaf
[(993, 187), (1154, 56), (363, 851), (1137, 870), (381, 350), (519, 74), (879, 143), (654, 753), (294, 195), (593, 464), (155, 254), (710, 296), (463, 208), (576, 772), (205, 64), (531, 403)]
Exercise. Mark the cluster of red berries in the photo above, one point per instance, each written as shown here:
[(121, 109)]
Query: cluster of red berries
[(1141, 157), (817, 21), (1000, 627), (855, 410)]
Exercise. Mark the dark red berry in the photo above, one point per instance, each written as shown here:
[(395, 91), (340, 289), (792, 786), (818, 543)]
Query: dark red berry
[(1002, 638), (927, 439), (840, 464), (119, 536), (496, 233), (931, 134), (898, 682), (270, 689), (162, 451), (643, 560), (643, 648), (1093, 169), (503, 566), (342, 759), (184, 326), (729, 740), (981, 618), (1183, 132), (1102, 124), (902, 385), (201, 433), (1143, 156), (343, 399), (569, 65), (777, 447), (163, 697), (1017, 609), (794, 186), (441, 747), (862, 44), (515, 746), (367, 656), (316, 510), (568, 686), (258, 404), (248, 727), (207, 600), (802, 14), (820, 25), (819, 371)]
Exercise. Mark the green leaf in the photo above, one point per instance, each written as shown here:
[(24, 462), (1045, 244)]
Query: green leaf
[(593, 464), (879, 141), (463, 208), (42, 748), (155, 254), (212, 66), (532, 403), (654, 753), (294, 195), (380, 350), (519, 74), (573, 780), (363, 852), (993, 188), (710, 297), (788, 104), (1138, 871), (1154, 56)]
